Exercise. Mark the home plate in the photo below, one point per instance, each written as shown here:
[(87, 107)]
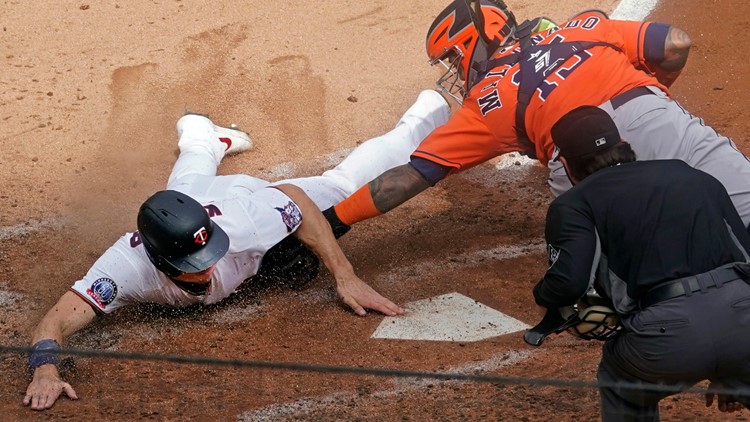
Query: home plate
[(450, 317)]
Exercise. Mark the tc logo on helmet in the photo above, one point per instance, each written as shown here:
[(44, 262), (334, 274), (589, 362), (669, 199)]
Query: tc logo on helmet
[(201, 236)]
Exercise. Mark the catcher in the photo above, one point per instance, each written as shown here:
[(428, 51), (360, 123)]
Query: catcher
[(672, 258), (515, 81), (206, 235)]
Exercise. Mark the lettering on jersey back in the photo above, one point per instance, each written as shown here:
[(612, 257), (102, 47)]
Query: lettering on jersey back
[(212, 210), (589, 24), (500, 73), (135, 240), (489, 102), (490, 86)]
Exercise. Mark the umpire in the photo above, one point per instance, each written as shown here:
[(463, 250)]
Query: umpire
[(664, 242)]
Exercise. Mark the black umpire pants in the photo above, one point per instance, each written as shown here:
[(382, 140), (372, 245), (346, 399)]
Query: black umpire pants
[(677, 343)]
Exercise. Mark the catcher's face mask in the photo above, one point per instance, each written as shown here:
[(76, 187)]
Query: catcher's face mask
[(592, 322), (451, 82), (592, 318), (595, 316)]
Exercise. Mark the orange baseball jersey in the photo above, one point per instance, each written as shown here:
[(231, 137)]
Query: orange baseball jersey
[(485, 126)]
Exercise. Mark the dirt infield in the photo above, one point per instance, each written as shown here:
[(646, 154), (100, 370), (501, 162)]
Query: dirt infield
[(89, 95)]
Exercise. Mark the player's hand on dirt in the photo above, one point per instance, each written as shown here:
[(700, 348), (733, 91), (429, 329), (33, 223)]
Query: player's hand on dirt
[(46, 388), (359, 296), (725, 403)]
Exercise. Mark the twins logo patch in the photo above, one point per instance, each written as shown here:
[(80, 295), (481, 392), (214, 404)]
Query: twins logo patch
[(200, 237), (103, 291), (552, 254), (290, 215)]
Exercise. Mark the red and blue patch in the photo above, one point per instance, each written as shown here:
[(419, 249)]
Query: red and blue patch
[(290, 215), (103, 291)]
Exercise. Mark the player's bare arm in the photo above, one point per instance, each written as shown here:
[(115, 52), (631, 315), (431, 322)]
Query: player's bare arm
[(69, 315), (315, 232), (676, 49), (396, 186), (382, 194)]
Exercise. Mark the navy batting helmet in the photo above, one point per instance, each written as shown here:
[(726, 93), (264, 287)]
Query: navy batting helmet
[(178, 234)]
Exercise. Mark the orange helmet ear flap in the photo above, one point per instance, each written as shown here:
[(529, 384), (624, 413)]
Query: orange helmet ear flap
[(494, 25), (478, 18), (496, 33)]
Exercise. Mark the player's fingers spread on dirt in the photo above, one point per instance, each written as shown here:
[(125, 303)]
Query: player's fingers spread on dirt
[(359, 310), (39, 402), (375, 301), (389, 308), (35, 396), (382, 305), (43, 400), (69, 391), (42, 394), (360, 296)]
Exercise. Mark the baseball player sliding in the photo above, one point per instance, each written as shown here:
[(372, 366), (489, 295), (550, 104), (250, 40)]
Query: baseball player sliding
[(515, 81), (205, 235)]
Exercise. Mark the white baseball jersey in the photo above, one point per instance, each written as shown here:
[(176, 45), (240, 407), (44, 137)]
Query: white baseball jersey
[(254, 215)]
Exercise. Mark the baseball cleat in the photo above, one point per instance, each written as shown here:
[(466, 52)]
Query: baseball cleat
[(234, 139)]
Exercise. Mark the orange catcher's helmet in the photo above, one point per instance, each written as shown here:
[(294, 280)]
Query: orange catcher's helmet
[(461, 36)]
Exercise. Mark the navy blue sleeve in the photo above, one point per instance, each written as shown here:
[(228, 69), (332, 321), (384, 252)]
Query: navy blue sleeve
[(654, 41), (430, 170)]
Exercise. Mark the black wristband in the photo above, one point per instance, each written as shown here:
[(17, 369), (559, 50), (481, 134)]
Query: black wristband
[(43, 352), (338, 226)]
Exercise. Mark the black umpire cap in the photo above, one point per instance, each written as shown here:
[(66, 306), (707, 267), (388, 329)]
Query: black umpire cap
[(584, 130), (178, 234)]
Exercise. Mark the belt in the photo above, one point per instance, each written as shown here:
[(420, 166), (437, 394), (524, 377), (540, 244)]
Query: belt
[(686, 286), (618, 100)]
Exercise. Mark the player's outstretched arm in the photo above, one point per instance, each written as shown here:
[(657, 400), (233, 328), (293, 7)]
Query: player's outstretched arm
[(70, 314), (676, 48), (384, 193), (315, 232)]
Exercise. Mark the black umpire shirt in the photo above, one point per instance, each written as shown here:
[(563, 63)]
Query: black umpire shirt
[(657, 221)]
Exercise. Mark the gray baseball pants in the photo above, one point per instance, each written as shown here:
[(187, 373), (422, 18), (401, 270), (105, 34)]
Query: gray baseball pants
[(657, 127), (677, 342)]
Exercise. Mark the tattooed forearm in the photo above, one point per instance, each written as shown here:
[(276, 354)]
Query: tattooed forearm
[(396, 186), (676, 48)]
